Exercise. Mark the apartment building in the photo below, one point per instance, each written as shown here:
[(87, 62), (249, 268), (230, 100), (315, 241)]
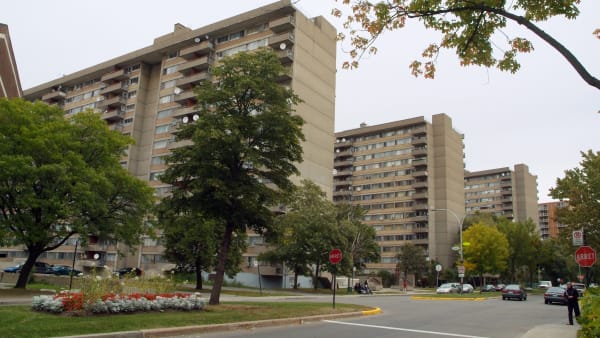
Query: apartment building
[(398, 172), (548, 222), (10, 84), (147, 93), (507, 192)]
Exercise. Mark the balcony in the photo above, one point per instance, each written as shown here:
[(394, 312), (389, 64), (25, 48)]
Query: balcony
[(283, 24), (191, 81), (420, 184), (419, 162), (113, 115), (54, 96), (286, 56), (116, 75), (286, 38), (343, 173), (201, 48), (420, 152), (183, 111), (116, 88), (342, 193), (419, 131), (421, 206), (419, 195), (419, 140), (343, 163), (113, 102), (419, 173), (185, 97), (195, 65), (343, 153), (505, 183)]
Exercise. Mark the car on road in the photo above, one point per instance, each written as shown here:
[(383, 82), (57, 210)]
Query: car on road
[(65, 270), (448, 288), (514, 291), (499, 287), (555, 294), (467, 288), (580, 287), (13, 269), (545, 284)]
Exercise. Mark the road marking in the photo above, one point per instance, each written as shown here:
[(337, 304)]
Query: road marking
[(407, 330)]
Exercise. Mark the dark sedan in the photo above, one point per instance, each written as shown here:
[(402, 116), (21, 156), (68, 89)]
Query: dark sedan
[(514, 291), (65, 270), (555, 295)]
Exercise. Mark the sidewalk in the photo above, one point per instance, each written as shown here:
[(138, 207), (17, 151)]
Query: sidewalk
[(552, 331)]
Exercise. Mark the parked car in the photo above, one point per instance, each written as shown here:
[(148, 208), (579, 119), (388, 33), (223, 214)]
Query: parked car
[(499, 287), (545, 284), (448, 288), (129, 272), (38, 267), (65, 270), (467, 288), (555, 294), (514, 291), (488, 288), (13, 269)]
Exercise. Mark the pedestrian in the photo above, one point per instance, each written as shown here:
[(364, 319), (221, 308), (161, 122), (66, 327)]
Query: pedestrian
[(404, 285), (572, 297)]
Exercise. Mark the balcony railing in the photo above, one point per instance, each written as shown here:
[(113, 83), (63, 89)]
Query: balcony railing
[(283, 24), (198, 49)]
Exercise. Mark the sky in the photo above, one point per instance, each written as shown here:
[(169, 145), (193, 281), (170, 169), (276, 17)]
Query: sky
[(543, 116)]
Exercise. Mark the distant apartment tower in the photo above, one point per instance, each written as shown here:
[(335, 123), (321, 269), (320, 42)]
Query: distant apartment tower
[(503, 192), (548, 221), (398, 171), (10, 84), (147, 93)]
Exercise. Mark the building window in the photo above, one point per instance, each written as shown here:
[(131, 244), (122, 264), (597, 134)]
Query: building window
[(156, 160), (162, 129), (173, 54), (156, 176), (166, 99), (164, 113), (133, 80), (161, 144), (170, 70)]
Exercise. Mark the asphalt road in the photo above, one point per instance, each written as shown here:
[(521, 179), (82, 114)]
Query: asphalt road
[(405, 317)]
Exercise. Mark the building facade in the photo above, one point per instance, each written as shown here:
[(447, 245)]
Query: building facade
[(511, 193), (397, 172), (10, 84), (147, 93), (548, 221)]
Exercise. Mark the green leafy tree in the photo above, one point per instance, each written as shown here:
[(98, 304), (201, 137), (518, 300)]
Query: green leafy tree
[(523, 245), (465, 26), (304, 234), (487, 250), (61, 177), (360, 239), (243, 149), (580, 187), (411, 259)]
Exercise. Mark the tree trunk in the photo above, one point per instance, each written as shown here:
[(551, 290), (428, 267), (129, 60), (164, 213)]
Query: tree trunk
[(316, 278), (215, 294), (27, 269)]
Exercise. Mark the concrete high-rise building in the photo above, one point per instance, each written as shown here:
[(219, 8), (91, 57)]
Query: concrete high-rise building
[(10, 84), (398, 171), (148, 92), (503, 192), (548, 222)]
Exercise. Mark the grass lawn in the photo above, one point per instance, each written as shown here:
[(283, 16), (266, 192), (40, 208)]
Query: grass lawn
[(21, 321)]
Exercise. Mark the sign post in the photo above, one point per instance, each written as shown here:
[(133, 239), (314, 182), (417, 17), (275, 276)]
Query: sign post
[(335, 256)]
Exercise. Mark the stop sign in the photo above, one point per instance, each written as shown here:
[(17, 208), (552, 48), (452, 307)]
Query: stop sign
[(335, 256), (585, 256)]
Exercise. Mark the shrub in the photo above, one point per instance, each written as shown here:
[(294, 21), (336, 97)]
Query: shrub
[(590, 314)]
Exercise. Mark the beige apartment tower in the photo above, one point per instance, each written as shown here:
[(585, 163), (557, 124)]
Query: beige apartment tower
[(503, 192), (147, 93), (548, 219), (398, 172)]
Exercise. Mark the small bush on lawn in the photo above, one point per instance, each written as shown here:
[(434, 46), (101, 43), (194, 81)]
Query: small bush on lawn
[(590, 314)]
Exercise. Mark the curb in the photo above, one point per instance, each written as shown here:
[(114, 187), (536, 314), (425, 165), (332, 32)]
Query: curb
[(198, 329)]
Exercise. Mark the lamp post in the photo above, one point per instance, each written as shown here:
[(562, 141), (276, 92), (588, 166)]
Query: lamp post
[(460, 249)]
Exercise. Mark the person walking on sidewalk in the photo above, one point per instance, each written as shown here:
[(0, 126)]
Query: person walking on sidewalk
[(572, 297)]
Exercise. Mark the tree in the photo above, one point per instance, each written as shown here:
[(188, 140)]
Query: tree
[(304, 235), (523, 245), (61, 177), (243, 149), (466, 26), (487, 250), (411, 259), (580, 187), (361, 245)]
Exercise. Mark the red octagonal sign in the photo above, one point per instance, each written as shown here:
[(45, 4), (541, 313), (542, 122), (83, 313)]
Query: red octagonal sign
[(585, 256), (335, 256)]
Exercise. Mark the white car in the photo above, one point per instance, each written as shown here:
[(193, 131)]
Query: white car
[(468, 288), (545, 284), (448, 288)]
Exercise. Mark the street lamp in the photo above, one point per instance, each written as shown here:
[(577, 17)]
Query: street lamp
[(460, 249)]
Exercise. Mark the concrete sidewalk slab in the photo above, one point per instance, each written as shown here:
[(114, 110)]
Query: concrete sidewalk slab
[(552, 331)]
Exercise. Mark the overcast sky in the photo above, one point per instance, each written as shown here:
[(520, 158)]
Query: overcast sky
[(543, 116)]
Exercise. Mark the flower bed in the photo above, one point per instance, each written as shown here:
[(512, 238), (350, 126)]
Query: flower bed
[(74, 302)]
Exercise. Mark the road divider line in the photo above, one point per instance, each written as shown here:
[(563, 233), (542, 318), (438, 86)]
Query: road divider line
[(403, 329)]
